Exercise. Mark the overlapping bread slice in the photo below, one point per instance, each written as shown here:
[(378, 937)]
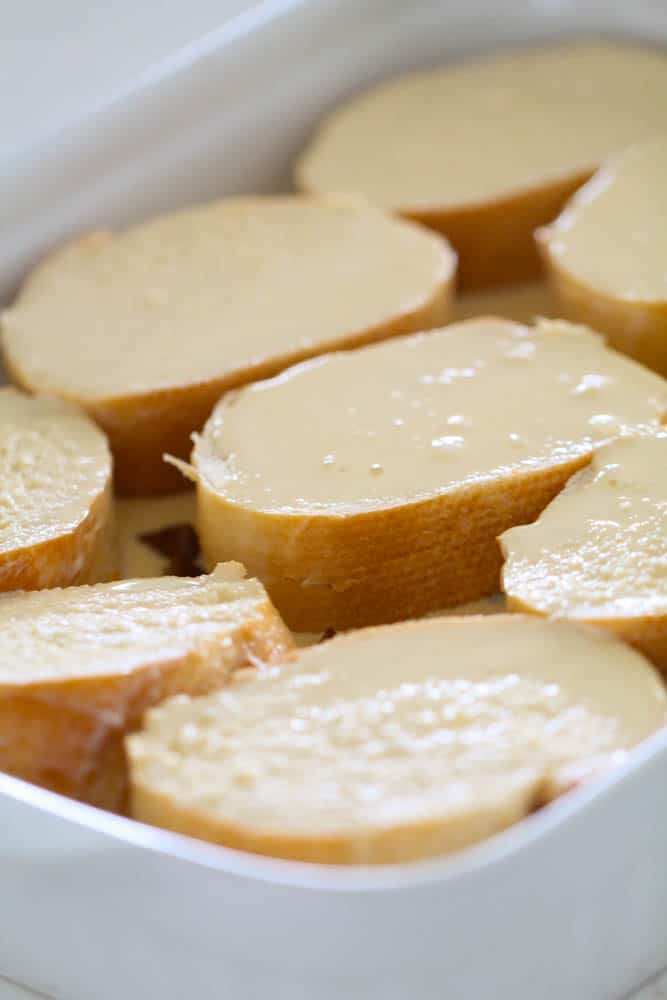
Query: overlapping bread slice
[(371, 486), (598, 553), (487, 150), (395, 743), (55, 495), (147, 328), (79, 666), (606, 253)]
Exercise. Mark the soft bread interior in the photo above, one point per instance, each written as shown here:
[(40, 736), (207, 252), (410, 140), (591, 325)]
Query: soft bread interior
[(598, 552), (55, 503), (79, 666), (606, 253)]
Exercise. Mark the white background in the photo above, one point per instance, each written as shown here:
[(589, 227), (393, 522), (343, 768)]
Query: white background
[(58, 58)]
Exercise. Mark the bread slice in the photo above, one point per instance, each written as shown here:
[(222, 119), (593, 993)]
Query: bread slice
[(486, 151), (79, 667), (598, 553), (395, 743), (55, 494), (606, 253), (165, 317), (157, 536), (371, 486)]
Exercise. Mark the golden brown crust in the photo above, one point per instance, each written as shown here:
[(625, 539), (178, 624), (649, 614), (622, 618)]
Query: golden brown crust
[(636, 328), (647, 634), (495, 240), (417, 557), (142, 428), (68, 735), (79, 556), (401, 843)]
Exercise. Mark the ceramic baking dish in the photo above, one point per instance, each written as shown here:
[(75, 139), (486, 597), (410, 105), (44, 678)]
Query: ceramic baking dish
[(571, 903)]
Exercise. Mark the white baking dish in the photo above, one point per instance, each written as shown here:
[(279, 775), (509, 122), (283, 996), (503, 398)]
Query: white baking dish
[(572, 903)]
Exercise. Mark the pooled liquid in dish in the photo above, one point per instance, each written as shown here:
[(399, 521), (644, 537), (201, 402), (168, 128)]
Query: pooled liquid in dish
[(54, 465)]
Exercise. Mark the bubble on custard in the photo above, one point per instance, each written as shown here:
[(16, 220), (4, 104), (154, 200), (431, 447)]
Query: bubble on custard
[(448, 443), (590, 384)]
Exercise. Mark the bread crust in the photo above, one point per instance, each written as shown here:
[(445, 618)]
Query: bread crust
[(401, 843), (82, 555), (67, 735), (415, 558), (636, 328), (495, 240), (392, 558), (141, 429)]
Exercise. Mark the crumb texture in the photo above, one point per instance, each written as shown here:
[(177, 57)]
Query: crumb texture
[(599, 550), (54, 465), (113, 628)]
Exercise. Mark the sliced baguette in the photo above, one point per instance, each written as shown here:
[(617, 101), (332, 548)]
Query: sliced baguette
[(55, 495), (598, 553), (165, 317), (606, 254), (486, 151), (80, 666), (371, 486), (395, 743)]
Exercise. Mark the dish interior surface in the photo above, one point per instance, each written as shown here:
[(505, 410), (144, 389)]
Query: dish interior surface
[(165, 142)]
